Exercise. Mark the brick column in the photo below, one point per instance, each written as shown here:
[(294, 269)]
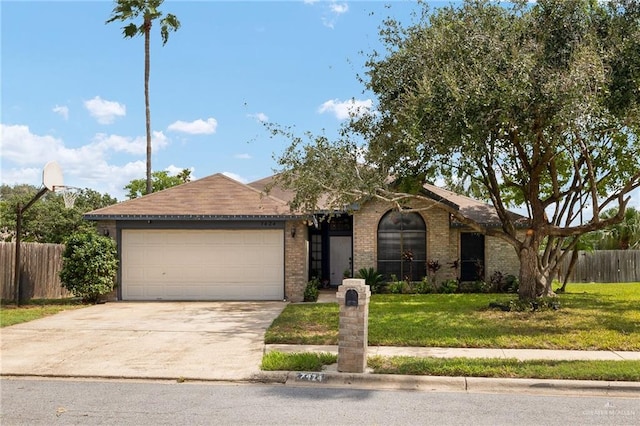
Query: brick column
[(353, 297)]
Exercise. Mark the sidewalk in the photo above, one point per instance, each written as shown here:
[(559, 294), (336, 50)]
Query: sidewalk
[(520, 354), (331, 377)]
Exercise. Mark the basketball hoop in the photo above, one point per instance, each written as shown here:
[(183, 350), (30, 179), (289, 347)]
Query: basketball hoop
[(69, 194)]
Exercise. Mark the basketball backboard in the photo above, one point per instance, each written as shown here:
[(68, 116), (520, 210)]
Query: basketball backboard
[(52, 176)]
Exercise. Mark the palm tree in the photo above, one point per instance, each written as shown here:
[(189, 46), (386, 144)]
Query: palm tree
[(126, 10), (624, 235)]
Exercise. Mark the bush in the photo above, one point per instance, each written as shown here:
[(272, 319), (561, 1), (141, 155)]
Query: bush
[(311, 290), (423, 287), (512, 283), (448, 287), (397, 287), (90, 265), (372, 278)]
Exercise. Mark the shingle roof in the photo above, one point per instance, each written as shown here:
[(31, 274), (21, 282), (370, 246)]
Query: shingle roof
[(216, 196), (219, 196), (478, 211)]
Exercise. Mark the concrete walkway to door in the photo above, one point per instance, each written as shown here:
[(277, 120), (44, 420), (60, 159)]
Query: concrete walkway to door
[(150, 340)]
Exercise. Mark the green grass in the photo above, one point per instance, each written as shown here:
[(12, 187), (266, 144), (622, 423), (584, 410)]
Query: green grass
[(298, 361), (592, 317), (10, 314), (508, 368), (464, 367)]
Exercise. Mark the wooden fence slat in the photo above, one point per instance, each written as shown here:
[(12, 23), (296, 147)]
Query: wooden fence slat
[(39, 272), (605, 266)]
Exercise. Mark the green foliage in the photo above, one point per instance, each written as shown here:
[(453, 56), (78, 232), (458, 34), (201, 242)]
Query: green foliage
[(297, 361), (90, 265), (311, 290), (448, 287), (622, 236), (148, 10), (536, 103), (372, 278), (424, 287), (397, 286), (159, 181), (47, 220)]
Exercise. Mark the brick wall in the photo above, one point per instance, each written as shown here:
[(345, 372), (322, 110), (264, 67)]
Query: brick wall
[(443, 242), (296, 255), (439, 238), (500, 256)]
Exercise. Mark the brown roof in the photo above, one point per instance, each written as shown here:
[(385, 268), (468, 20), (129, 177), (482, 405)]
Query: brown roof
[(478, 211), (212, 196)]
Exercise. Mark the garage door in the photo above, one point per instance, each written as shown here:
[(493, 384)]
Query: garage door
[(202, 264)]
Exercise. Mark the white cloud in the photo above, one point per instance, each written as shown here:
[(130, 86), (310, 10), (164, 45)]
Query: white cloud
[(235, 177), (259, 116), (135, 146), (331, 11), (175, 170), (197, 127), (86, 166), (345, 109), (242, 156), (25, 148), (63, 111), (338, 9), (105, 112)]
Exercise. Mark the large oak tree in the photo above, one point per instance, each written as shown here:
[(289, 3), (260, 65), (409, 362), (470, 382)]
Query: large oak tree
[(531, 104)]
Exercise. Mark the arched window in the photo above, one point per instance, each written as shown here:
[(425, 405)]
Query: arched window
[(402, 246)]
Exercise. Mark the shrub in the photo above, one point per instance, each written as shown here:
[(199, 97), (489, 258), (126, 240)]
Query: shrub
[(512, 284), (372, 278), (396, 287), (90, 265), (311, 290), (423, 287), (448, 286)]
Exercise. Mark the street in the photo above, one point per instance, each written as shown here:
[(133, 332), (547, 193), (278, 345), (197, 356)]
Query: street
[(86, 402)]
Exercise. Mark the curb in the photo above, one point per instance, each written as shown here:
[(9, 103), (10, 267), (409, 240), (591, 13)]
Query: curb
[(448, 384)]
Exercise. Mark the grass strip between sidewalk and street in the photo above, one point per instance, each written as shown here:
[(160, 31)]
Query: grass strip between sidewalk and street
[(465, 367), (591, 317)]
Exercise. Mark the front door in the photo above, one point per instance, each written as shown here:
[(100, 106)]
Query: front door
[(340, 254)]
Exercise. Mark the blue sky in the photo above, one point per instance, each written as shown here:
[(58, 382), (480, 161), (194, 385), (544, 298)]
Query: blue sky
[(72, 86)]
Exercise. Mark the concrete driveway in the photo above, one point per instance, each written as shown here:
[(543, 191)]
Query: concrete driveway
[(164, 340)]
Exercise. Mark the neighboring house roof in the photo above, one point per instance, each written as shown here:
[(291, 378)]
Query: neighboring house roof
[(212, 197), (478, 211)]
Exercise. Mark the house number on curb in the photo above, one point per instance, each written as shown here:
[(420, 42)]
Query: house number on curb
[(310, 377)]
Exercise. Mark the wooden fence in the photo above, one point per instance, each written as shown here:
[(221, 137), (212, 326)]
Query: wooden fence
[(39, 275), (605, 266)]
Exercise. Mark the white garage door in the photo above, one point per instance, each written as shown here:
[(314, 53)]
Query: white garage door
[(202, 264)]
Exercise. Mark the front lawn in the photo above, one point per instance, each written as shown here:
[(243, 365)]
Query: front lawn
[(11, 314), (591, 317)]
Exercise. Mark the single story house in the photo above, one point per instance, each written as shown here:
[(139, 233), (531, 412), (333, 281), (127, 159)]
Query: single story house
[(219, 239)]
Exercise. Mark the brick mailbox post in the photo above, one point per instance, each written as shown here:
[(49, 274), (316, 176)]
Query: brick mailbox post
[(353, 297)]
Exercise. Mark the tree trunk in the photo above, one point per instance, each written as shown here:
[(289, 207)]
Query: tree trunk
[(572, 264), (147, 65), (529, 275)]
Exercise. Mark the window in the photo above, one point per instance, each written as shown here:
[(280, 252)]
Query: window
[(402, 247), (471, 256)]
